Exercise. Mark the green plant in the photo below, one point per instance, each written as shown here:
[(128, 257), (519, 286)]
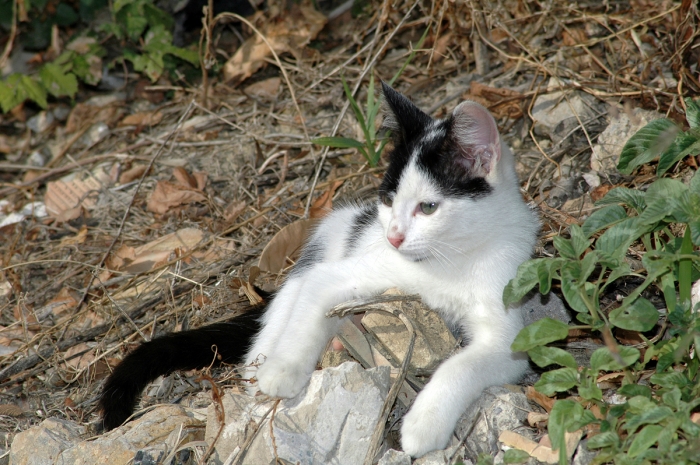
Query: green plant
[(664, 139), (136, 22), (653, 425), (369, 148)]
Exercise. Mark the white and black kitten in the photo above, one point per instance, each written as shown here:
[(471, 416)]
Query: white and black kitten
[(449, 224)]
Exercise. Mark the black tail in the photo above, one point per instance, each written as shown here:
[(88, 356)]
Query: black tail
[(186, 350)]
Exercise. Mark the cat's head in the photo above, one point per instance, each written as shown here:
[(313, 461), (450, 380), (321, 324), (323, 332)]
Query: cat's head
[(443, 177)]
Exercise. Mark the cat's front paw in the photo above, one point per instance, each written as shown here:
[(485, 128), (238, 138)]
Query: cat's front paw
[(425, 429), (281, 378)]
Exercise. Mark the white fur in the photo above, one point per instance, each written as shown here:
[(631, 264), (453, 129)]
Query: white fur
[(458, 259)]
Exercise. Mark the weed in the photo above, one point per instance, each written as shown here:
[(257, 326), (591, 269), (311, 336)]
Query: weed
[(653, 425)]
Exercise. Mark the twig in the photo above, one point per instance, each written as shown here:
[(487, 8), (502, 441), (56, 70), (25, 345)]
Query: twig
[(13, 33), (253, 435)]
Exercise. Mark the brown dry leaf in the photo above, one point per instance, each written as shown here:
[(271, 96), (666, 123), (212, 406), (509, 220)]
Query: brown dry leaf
[(234, 210), (64, 300), (200, 300), (285, 246), (143, 118), (80, 361), (500, 101), (169, 195), (695, 418), (83, 114), (324, 203), (12, 338), (534, 419), (266, 89), (5, 146), (541, 451), (184, 178), (61, 197), (133, 173), (77, 239), (287, 34), (540, 399), (162, 250), (11, 410)]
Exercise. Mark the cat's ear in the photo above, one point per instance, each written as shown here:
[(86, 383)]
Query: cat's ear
[(475, 133), (401, 116)]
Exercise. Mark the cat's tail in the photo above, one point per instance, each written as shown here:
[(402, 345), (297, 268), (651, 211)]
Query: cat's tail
[(186, 350)]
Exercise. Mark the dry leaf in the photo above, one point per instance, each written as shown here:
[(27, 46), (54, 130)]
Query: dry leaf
[(79, 361), (324, 204), (64, 300), (13, 338), (541, 451), (287, 34), (168, 195), (234, 210), (183, 177), (535, 419), (83, 114), (77, 239), (144, 118), (266, 89), (11, 410), (133, 173), (543, 401), (500, 101), (285, 246)]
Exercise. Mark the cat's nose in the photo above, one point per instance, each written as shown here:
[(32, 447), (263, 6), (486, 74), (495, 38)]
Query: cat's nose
[(396, 239)]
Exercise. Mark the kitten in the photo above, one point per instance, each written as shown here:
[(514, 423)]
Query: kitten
[(450, 224)]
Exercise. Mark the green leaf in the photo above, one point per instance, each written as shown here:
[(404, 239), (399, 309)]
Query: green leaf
[(184, 54), (559, 380), (647, 144), (579, 240), (616, 240), (546, 271), (672, 398), (65, 15), (686, 143), (57, 82), (563, 415), (692, 113), (644, 440), (539, 333), (650, 416), (353, 104), (571, 286), (602, 219), (606, 439), (632, 390), (641, 315), (664, 189), (565, 247), (670, 379), (515, 456), (525, 279), (687, 210), (588, 389), (338, 142), (603, 360), (633, 198), (544, 356)]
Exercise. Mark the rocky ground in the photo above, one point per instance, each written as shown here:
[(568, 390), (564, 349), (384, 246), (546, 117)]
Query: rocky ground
[(151, 208)]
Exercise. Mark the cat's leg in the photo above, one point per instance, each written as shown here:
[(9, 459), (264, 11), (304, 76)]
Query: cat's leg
[(459, 381), (288, 368), (274, 324)]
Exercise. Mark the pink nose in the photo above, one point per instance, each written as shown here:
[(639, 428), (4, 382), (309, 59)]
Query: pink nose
[(396, 240)]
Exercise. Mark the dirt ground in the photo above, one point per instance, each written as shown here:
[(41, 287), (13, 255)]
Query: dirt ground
[(161, 199)]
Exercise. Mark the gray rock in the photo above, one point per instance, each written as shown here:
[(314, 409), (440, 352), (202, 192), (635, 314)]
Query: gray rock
[(536, 306), (92, 136), (43, 444), (40, 122), (331, 421), (498, 409), (557, 112), (444, 457), (395, 457), (606, 152), (583, 455)]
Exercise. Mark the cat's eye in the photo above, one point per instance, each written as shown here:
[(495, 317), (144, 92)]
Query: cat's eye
[(386, 200), (428, 208)]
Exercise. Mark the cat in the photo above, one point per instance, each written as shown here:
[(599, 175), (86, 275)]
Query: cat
[(449, 224)]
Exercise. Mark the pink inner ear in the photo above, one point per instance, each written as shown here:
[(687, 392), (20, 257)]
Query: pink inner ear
[(476, 133)]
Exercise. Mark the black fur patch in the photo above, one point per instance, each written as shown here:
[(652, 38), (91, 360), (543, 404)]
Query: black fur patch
[(439, 158), (311, 254), (364, 218)]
